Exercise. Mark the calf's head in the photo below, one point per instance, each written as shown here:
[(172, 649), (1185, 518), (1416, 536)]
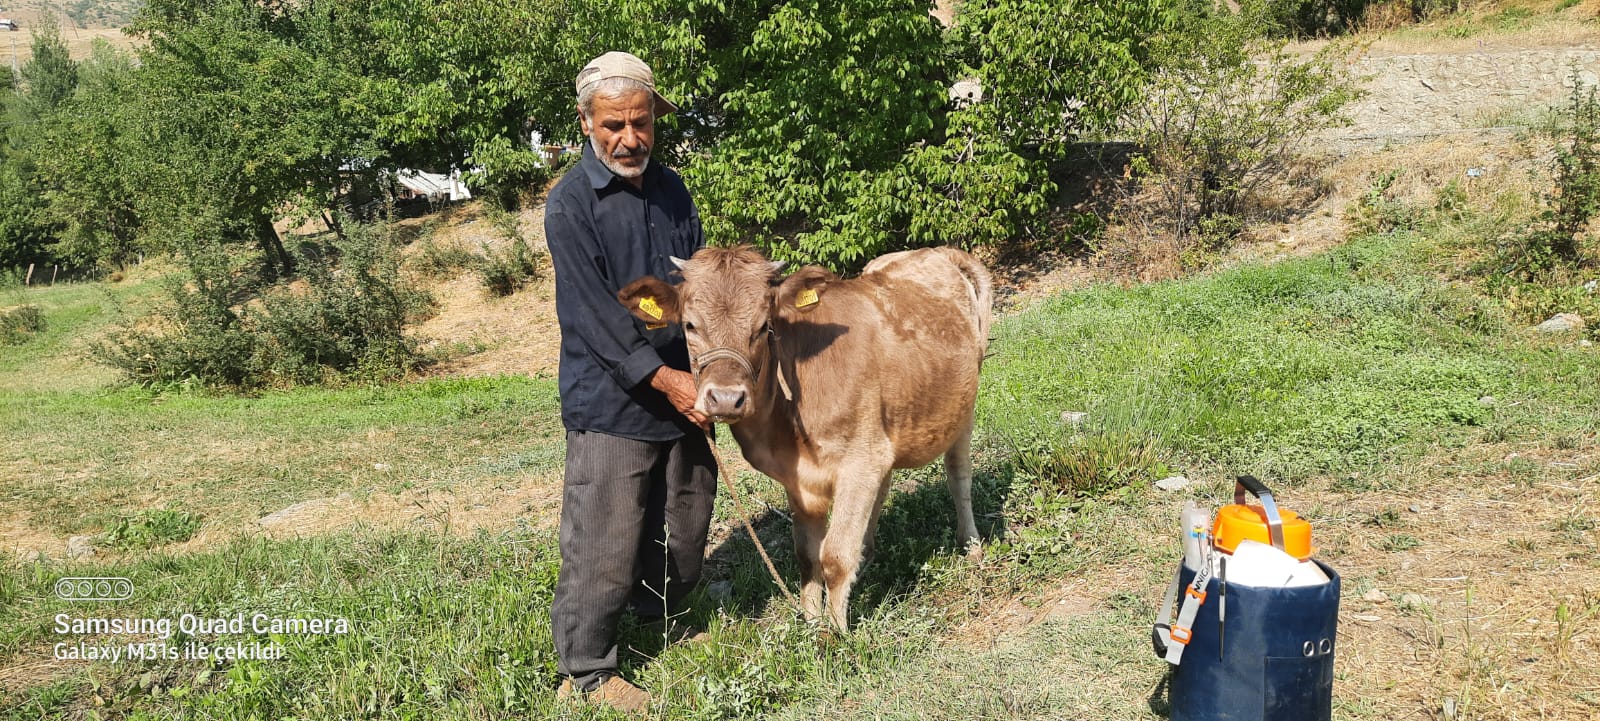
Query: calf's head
[(729, 302)]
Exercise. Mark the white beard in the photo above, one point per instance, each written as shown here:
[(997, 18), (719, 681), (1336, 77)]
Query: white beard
[(612, 165)]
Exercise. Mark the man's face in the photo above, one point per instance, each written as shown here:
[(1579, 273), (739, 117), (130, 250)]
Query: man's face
[(623, 130)]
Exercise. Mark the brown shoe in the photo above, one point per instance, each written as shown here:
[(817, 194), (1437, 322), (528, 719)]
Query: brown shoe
[(615, 692)]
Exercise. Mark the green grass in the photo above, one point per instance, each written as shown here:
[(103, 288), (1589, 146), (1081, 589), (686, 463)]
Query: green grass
[(77, 460), (1327, 365), (152, 527), (1339, 369), (53, 360)]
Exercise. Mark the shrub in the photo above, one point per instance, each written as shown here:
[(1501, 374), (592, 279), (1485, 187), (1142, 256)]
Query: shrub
[(1224, 125), (1576, 199), (1557, 236), (200, 334), (510, 176), (345, 315), (349, 318), (20, 323), (515, 264), (1376, 211), (1092, 463), (1311, 18), (1540, 268), (438, 260)]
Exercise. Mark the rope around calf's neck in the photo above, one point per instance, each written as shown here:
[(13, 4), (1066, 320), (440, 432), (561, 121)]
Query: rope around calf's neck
[(722, 470)]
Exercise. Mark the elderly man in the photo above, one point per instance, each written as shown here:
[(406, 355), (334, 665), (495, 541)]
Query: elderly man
[(640, 479)]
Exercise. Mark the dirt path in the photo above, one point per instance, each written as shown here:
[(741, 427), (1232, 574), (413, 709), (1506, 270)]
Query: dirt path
[(1416, 95)]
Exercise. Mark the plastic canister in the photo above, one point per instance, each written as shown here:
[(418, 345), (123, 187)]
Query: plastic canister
[(1240, 521)]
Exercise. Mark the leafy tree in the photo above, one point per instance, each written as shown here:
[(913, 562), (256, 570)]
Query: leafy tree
[(237, 122), (48, 77), (1056, 69), (24, 235), (835, 138), (820, 110), (84, 172)]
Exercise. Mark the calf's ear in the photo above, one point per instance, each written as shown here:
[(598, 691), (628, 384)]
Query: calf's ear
[(651, 300), (802, 292)]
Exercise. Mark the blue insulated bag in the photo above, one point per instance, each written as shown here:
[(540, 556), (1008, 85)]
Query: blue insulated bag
[(1254, 653)]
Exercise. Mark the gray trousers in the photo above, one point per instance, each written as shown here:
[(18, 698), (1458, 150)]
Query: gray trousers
[(634, 516)]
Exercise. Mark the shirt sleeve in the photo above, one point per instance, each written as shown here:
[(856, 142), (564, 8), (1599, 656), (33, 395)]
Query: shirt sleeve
[(585, 296)]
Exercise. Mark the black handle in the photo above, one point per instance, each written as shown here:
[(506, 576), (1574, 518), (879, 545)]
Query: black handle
[(1260, 490), (1254, 486)]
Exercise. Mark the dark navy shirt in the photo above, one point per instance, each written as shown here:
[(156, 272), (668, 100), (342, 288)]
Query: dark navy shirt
[(603, 234)]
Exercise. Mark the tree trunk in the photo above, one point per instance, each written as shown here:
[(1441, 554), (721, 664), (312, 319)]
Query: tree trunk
[(272, 246), (332, 221)]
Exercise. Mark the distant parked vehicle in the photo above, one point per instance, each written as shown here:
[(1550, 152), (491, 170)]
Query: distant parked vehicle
[(8, 24)]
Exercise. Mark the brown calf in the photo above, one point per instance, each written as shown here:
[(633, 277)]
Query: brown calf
[(830, 384)]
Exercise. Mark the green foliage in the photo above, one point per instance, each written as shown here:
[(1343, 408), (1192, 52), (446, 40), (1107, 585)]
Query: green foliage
[(818, 128), (24, 232), (1226, 119), (200, 335), (20, 323), (235, 121), (834, 154), (1058, 68), (1576, 199), (150, 528), (514, 264), (1317, 18), (85, 157), (1539, 267), (347, 318), (440, 260), (1092, 464), (351, 316), (49, 76), (455, 84), (1376, 211)]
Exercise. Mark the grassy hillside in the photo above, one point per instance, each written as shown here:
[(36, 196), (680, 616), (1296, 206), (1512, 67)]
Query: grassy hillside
[(1439, 448)]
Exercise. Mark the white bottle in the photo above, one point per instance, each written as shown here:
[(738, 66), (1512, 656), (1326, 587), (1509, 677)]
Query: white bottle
[(1196, 525)]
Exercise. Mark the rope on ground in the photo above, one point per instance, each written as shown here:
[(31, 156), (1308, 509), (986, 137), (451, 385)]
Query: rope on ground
[(722, 470)]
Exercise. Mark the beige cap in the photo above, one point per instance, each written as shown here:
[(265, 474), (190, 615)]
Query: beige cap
[(622, 65)]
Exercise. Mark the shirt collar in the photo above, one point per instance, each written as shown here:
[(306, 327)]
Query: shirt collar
[(600, 176)]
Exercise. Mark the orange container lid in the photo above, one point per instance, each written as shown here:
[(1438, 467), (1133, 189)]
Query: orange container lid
[(1237, 522)]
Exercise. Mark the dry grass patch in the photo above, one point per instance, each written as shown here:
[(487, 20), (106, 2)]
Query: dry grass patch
[(1477, 553), (1483, 27)]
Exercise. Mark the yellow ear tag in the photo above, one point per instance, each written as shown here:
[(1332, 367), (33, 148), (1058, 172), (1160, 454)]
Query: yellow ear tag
[(806, 298), (648, 305)]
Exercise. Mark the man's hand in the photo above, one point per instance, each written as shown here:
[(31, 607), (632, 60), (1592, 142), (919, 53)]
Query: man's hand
[(681, 392)]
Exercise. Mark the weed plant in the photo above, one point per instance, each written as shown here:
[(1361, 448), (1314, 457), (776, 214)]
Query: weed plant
[(151, 528), (20, 323), (506, 269)]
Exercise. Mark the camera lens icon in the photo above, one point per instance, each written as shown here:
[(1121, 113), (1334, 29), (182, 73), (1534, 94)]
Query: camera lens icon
[(94, 589)]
